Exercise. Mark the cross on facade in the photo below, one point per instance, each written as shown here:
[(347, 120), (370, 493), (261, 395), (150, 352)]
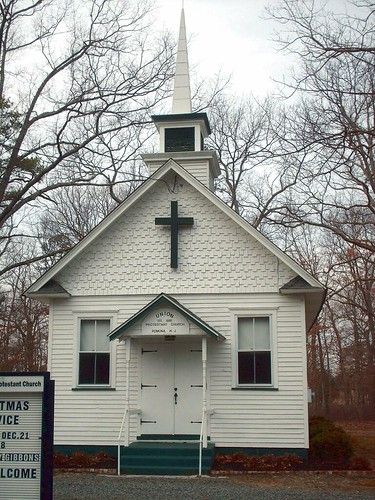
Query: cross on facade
[(175, 222)]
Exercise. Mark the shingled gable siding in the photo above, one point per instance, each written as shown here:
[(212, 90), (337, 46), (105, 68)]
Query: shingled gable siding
[(242, 418), (215, 256)]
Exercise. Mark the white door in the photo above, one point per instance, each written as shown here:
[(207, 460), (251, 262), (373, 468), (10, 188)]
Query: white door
[(171, 388), (157, 409), (188, 381)]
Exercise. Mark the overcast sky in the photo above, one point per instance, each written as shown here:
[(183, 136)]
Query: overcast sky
[(229, 35), (233, 36)]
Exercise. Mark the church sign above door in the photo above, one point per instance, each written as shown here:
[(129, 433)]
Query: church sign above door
[(165, 322)]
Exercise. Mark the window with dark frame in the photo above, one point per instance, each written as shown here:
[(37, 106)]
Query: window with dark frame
[(94, 352), (254, 350)]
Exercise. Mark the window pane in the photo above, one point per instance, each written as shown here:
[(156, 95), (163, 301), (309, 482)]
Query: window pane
[(245, 333), (86, 368), (102, 369), (262, 367), (262, 333), (87, 335), (102, 330), (246, 368)]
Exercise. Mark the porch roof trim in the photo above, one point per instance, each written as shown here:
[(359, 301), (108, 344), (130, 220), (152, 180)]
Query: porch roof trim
[(164, 299)]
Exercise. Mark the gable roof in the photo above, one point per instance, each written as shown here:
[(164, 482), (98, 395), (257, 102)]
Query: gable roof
[(51, 289), (171, 165), (296, 285), (164, 299)]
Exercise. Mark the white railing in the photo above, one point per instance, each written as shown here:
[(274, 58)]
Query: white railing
[(125, 419), (203, 439), (203, 434), (125, 424)]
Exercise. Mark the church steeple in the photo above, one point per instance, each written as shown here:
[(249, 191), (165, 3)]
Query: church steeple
[(181, 92), (182, 132)]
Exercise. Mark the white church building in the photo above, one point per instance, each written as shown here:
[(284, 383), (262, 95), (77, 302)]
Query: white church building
[(175, 326)]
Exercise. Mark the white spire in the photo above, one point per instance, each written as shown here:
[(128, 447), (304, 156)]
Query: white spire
[(181, 92)]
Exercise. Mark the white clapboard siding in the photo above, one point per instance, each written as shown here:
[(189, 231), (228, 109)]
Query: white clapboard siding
[(200, 169), (242, 418), (222, 269)]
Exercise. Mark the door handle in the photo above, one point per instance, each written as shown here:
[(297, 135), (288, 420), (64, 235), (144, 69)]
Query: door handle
[(175, 395)]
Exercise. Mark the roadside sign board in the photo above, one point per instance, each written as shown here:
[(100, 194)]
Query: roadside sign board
[(26, 436)]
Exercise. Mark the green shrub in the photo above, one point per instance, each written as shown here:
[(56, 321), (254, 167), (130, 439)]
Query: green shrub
[(329, 443)]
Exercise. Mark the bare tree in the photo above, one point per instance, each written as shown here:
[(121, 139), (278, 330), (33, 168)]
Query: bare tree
[(23, 326), (240, 137), (351, 315), (82, 106), (332, 127), (329, 138), (340, 345), (71, 213), (243, 136), (318, 34)]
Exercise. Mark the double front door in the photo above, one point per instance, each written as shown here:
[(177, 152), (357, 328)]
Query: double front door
[(171, 388)]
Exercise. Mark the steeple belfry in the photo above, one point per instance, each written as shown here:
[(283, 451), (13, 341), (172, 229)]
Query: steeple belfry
[(182, 133), (181, 93)]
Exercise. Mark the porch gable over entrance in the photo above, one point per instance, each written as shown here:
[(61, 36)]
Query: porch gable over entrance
[(164, 301)]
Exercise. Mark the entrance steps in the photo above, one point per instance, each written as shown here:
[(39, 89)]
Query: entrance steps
[(165, 458)]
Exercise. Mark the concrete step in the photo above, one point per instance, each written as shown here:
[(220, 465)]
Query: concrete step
[(163, 471), (165, 458), (170, 449)]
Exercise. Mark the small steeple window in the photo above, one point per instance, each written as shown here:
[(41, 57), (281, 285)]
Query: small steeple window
[(179, 139)]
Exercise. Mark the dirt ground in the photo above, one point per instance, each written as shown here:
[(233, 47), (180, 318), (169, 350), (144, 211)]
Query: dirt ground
[(320, 481), (363, 436), (265, 486)]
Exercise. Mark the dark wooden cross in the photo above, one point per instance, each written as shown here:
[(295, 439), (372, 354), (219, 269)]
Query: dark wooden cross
[(175, 222)]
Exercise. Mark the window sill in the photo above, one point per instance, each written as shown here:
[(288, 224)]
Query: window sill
[(254, 388), (93, 388)]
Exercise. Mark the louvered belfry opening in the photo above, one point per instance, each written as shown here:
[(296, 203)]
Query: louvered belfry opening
[(179, 139)]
